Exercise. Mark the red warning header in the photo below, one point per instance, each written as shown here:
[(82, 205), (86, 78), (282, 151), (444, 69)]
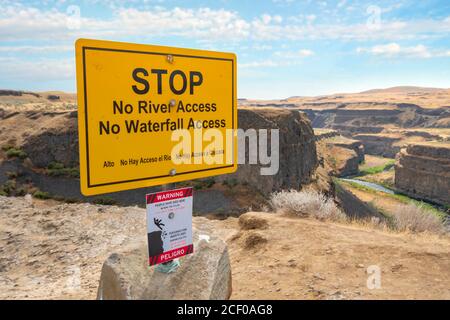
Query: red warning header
[(168, 195)]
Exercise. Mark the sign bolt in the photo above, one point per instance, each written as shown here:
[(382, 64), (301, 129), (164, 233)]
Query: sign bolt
[(172, 172), (172, 103), (169, 58)]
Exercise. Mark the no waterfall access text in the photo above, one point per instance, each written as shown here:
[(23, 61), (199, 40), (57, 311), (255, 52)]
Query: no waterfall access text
[(137, 102)]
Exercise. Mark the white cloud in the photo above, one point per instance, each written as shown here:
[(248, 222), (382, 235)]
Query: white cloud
[(35, 49), (306, 53), (266, 18), (26, 23), (283, 1), (386, 49), (341, 3), (55, 28), (302, 53), (280, 59), (259, 64), (395, 50), (38, 70), (269, 63), (19, 22), (195, 23), (278, 19), (311, 17)]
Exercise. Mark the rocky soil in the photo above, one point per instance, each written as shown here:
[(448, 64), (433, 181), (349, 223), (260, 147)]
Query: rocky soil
[(53, 250)]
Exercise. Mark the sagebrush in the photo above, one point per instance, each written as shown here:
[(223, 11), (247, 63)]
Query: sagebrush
[(415, 218), (306, 203)]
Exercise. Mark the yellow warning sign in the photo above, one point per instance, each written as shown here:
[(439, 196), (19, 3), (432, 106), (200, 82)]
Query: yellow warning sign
[(151, 115)]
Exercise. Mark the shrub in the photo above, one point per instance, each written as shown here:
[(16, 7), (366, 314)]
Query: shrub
[(204, 183), (8, 187), (209, 182), (55, 165), (230, 183), (307, 203), (415, 218), (6, 147), (57, 169), (198, 186), (20, 192), (104, 201), (16, 153), (41, 194), (11, 174)]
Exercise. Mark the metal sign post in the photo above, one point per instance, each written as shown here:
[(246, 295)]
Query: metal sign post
[(169, 227), (172, 265)]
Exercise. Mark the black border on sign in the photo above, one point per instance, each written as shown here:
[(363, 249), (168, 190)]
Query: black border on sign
[(154, 53)]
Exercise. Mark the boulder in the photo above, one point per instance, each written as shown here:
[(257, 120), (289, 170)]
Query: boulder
[(205, 274)]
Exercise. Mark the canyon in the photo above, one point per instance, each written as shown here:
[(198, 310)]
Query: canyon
[(50, 139), (382, 123), (328, 144)]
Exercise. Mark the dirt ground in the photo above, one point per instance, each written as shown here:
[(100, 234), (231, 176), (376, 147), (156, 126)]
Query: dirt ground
[(308, 259), (51, 250)]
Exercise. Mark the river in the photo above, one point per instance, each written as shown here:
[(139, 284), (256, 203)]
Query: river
[(370, 185)]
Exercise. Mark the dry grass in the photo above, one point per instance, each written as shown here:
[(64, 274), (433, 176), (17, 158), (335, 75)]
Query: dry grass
[(417, 219), (409, 219), (307, 203), (406, 218)]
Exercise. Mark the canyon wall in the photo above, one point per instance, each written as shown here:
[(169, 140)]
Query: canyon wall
[(297, 149), (423, 171), (379, 144), (46, 138), (369, 123), (373, 117)]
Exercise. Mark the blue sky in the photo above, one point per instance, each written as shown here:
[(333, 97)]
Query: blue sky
[(284, 47)]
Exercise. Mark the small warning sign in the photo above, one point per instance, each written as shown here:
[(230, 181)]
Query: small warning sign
[(169, 225)]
